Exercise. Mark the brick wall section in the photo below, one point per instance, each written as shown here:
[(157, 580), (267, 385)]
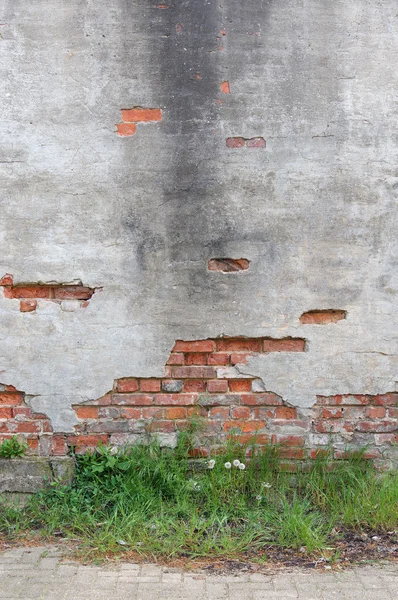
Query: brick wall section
[(322, 317), (132, 116), (29, 293), (200, 379), (240, 142), (17, 418)]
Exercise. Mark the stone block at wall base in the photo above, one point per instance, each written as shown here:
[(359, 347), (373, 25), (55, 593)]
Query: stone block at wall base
[(31, 474)]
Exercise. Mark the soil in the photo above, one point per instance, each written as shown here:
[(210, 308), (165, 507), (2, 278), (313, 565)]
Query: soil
[(348, 549)]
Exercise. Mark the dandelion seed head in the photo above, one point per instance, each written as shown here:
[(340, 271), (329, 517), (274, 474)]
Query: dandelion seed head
[(227, 465), (241, 466), (258, 497), (211, 463), (236, 463)]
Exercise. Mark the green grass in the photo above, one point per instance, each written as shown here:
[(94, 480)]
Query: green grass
[(152, 501)]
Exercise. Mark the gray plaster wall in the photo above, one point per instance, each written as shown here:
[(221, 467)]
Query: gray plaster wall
[(315, 212)]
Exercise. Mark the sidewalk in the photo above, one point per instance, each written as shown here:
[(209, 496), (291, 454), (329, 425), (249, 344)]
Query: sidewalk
[(37, 573)]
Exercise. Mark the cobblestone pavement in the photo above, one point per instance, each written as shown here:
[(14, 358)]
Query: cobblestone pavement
[(37, 573)]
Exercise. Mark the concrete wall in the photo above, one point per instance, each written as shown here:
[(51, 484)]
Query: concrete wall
[(137, 217)]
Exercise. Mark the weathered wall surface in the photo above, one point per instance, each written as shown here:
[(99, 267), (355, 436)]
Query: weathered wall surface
[(274, 139)]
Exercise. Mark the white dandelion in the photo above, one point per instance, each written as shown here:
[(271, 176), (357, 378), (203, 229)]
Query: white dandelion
[(266, 485), (236, 463), (241, 466), (227, 465), (211, 464)]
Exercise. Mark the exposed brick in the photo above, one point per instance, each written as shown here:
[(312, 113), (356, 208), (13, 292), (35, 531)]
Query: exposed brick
[(292, 453), (150, 385), (164, 426), (31, 291), (333, 426), (259, 439), (152, 412), (218, 359), (288, 440), (127, 384), (11, 398), (228, 265), (332, 413), (218, 399), (27, 305), (175, 399), (72, 292), (141, 115), (86, 412), (126, 129), (132, 399), (175, 413), (240, 385), (110, 412), (239, 359), (217, 386), (238, 345), (225, 87), (386, 399), (262, 399), (240, 412), (193, 372), (244, 426), (284, 345), (7, 280), (377, 426), (376, 412), (219, 412), (322, 317), (194, 346), (22, 411), (130, 412), (26, 427), (196, 358), (194, 385), (385, 438), (59, 447), (257, 142), (5, 412), (86, 441), (176, 358), (235, 142), (285, 412)]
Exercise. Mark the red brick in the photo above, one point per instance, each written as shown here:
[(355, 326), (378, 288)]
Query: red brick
[(129, 412), (376, 412), (355, 400), (386, 399), (141, 115), (263, 412), (126, 129), (217, 385), (377, 426), (175, 413), (262, 399), (87, 441), (26, 427), (333, 426), (199, 452), (260, 439), (31, 291), (27, 305), (385, 438), (240, 412), (164, 426), (225, 87), (218, 359), (219, 412), (11, 398), (238, 345), (5, 413), (288, 440), (240, 385), (59, 447), (33, 443), (292, 453), (128, 384), (240, 359), (393, 413), (194, 346), (175, 399), (194, 385), (152, 412), (7, 280), (235, 142), (23, 411), (244, 426), (257, 142), (105, 400), (132, 399), (285, 412), (86, 412), (194, 372), (72, 292), (322, 317), (284, 345), (228, 265), (328, 400), (331, 413), (150, 385), (176, 358), (196, 358)]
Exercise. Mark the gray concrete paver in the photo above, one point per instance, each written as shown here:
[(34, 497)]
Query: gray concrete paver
[(38, 574)]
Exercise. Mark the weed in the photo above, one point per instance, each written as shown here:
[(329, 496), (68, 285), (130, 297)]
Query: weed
[(13, 447)]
